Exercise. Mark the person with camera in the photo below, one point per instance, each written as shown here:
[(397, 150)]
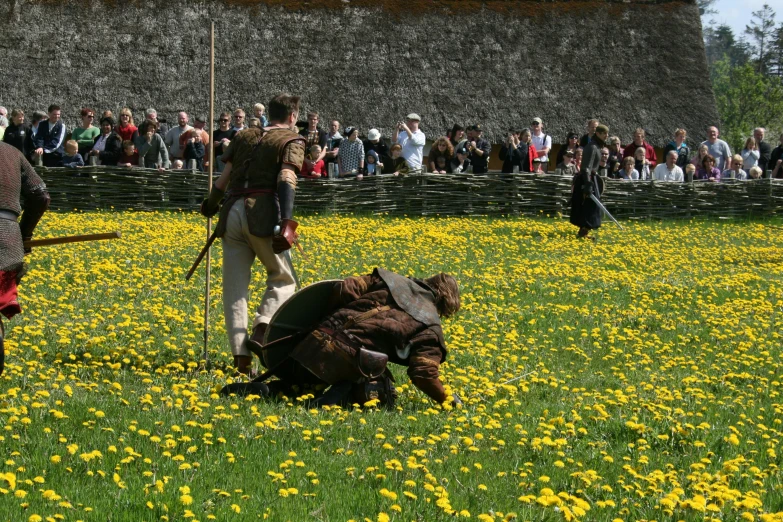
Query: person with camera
[(478, 149), (411, 139)]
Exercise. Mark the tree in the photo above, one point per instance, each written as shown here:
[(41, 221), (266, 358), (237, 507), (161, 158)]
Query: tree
[(705, 7), (720, 43), (760, 32), (776, 53), (746, 99)]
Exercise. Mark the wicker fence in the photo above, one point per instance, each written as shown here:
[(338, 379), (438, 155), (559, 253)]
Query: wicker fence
[(427, 194)]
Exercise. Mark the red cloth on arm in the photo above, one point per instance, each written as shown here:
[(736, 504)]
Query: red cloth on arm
[(9, 304)]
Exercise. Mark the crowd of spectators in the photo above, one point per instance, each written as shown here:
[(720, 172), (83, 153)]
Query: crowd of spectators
[(338, 151)]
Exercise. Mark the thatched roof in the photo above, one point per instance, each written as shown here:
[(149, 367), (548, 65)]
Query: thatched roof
[(368, 63)]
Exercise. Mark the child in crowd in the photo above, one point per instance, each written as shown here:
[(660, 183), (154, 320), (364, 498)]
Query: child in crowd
[(372, 164), (628, 171), (755, 173), (129, 156), (735, 170), (460, 162), (177, 164), (641, 163), (397, 166), (72, 158), (690, 171), (313, 169), (194, 150)]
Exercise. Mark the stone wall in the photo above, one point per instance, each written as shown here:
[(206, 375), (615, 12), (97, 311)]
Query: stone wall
[(628, 64)]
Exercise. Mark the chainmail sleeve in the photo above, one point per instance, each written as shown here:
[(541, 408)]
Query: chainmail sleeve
[(36, 198)]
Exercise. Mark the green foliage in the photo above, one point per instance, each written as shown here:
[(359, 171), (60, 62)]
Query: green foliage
[(746, 99)]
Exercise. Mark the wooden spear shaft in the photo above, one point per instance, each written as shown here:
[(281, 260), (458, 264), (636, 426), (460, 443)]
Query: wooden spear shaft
[(70, 239), (209, 183)]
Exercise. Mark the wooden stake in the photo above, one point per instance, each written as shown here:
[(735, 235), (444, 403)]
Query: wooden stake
[(209, 184)]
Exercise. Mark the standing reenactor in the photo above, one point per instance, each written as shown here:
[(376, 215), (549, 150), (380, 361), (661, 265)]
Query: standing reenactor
[(17, 178), (585, 213), (258, 182)]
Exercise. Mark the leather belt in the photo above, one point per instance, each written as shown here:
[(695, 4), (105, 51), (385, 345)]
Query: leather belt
[(7, 214)]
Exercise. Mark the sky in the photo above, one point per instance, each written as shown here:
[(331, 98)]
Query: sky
[(737, 13)]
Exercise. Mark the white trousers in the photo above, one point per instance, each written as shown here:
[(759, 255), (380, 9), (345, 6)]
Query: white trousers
[(240, 249)]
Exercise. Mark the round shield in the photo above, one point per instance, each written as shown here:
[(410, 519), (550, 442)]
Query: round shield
[(301, 312)]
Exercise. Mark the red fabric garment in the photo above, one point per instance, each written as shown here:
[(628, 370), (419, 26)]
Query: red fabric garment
[(313, 170), (126, 133), (648, 150), (532, 153), (9, 304)]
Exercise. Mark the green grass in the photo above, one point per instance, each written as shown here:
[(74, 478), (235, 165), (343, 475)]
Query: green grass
[(641, 355)]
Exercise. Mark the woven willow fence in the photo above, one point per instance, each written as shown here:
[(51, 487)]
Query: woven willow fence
[(426, 194)]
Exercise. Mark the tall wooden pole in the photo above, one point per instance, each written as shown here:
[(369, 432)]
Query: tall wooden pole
[(209, 183)]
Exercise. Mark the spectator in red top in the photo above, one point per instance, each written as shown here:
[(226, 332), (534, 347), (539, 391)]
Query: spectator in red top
[(638, 141), (313, 167), (126, 128)]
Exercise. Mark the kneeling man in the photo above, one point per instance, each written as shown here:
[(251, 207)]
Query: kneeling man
[(372, 319)]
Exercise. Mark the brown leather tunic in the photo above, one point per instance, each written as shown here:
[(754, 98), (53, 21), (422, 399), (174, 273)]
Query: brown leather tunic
[(256, 158), (393, 332)]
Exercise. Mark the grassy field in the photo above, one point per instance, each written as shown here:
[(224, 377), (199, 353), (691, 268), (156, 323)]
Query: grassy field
[(651, 389)]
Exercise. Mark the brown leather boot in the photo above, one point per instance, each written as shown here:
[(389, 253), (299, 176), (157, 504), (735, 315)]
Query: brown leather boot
[(243, 364), (256, 341)]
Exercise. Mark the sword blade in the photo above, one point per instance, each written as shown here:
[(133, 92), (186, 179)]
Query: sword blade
[(603, 209), (290, 262)]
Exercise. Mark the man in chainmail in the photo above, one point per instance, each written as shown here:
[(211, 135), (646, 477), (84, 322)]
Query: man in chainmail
[(17, 179), (258, 184)]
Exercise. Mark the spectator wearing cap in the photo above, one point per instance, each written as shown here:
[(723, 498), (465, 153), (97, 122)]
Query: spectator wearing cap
[(172, 137), (479, 150), (49, 140), (585, 139), (374, 142), (439, 158), (313, 134), (108, 145), (614, 165), (542, 142), (566, 167), (351, 155), (572, 142), (411, 139), (461, 161), (649, 152)]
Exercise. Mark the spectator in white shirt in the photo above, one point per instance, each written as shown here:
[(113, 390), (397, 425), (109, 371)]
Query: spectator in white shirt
[(412, 140), (172, 136), (718, 148), (669, 171), (542, 142)]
